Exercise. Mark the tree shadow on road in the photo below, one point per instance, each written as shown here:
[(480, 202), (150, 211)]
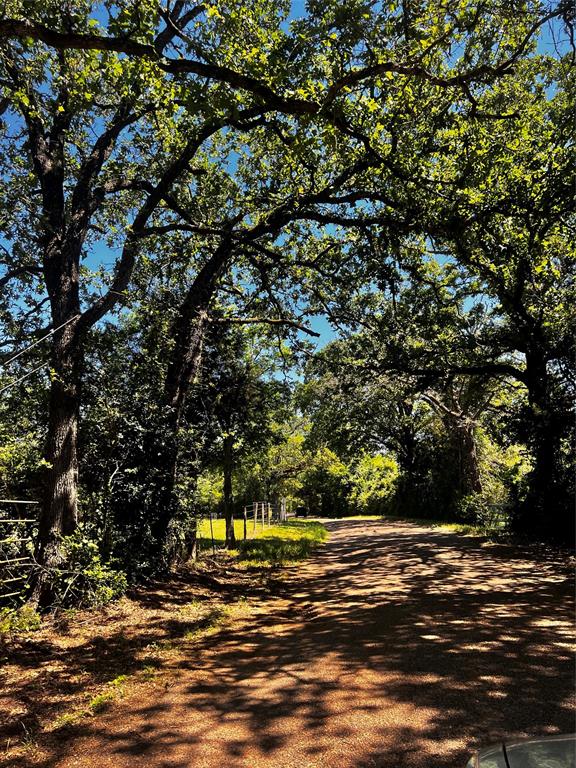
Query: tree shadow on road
[(397, 646)]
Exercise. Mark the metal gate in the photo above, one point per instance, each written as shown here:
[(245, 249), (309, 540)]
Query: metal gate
[(17, 532)]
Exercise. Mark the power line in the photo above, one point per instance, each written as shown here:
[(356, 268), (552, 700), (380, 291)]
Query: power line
[(26, 375), (31, 346)]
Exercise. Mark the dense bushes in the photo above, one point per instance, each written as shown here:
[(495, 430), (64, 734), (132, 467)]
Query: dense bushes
[(85, 581), (373, 483)]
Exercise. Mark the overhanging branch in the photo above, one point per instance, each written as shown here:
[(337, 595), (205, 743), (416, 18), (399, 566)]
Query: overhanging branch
[(24, 28), (265, 321)]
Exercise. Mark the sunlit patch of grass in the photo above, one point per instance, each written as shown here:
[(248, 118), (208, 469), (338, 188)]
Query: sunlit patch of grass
[(113, 690), (68, 718), (468, 530), (266, 546), (101, 701), (219, 531), (282, 544), (29, 741), (149, 672), (214, 619)]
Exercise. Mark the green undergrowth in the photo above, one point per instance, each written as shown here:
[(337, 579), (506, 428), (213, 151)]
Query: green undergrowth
[(16, 621)]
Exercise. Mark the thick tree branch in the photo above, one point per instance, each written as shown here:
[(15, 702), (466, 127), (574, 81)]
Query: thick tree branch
[(487, 369), (175, 24), (265, 321), (25, 269), (82, 197), (10, 28), (166, 229), (158, 192)]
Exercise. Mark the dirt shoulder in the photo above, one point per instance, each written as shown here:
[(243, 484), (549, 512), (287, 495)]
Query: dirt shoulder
[(395, 646), (81, 663)]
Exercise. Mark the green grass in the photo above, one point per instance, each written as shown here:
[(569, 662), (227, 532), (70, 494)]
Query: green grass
[(219, 528), (272, 546), (214, 619), (282, 544), (112, 691)]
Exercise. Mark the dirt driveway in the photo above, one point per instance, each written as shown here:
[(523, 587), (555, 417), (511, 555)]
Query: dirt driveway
[(396, 646)]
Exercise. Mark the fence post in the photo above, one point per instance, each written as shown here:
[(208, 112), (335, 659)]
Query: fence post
[(244, 516), (255, 510), (212, 535)]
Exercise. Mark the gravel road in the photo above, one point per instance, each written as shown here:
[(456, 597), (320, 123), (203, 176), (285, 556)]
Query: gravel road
[(396, 646)]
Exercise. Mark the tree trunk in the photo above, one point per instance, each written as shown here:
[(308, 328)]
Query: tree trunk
[(543, 506), (228, 465), (460, 428), (59, 513), (163, 456), (470, 481), (183, 367)]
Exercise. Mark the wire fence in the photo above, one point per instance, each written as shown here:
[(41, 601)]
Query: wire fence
[(265, 514), (17, 534)]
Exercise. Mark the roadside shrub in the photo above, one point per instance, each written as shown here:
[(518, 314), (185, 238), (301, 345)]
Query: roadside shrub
[(16, 620), (86, 581), (503, 476)]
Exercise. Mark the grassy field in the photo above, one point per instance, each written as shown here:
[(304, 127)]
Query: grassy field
[(219, 528), (275, 545)]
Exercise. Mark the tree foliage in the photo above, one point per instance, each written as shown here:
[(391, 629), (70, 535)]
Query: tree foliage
[(406, 170)]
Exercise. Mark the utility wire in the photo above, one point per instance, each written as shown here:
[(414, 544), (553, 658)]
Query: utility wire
[(26, 375), (31, 346)]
